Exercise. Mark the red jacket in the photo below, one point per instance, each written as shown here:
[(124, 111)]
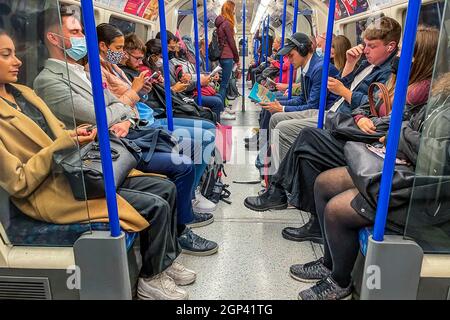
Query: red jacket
[(225, 33), (286, 69)]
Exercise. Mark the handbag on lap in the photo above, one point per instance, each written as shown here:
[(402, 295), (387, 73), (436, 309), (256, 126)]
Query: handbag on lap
[(83, 166)]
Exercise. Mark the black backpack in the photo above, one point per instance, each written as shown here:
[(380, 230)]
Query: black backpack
[(215, 48), (212, 186)]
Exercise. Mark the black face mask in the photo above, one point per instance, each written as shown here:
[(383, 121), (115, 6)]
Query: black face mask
[(394, 65), (172, 55)]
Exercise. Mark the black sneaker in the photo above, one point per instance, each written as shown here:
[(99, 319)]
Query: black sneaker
[(196, 245), (310, 272), (201, 220), (326, 289)]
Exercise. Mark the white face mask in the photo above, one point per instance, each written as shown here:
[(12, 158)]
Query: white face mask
[(319, 52), (159, 63)]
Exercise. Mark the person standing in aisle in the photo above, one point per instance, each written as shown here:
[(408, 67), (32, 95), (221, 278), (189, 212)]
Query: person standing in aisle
[(225, 24)]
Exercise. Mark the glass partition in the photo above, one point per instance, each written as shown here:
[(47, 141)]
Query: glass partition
[(429, 212), (37, 202)]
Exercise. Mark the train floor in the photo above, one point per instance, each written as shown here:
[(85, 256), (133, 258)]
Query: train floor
[(253, 259)]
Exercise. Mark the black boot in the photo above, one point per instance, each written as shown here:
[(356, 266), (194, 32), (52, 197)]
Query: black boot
[(309, 232), (274, 198)]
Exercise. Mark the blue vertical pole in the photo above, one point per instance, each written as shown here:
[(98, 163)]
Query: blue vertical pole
[(267, 38), (205, 24), (263, 41), (244, 17), (165, 53), (401, 87), (294, 30), (100, 113), (283, 36), (197, 53), (255, 50), (326, 64)]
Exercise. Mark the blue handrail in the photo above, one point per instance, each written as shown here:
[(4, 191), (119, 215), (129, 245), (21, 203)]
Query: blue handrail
[(197, 53), (283, 37), (100, 115), (255, 50), (401, 87), (267, 38), (165, 54), (294, 30), (263, 41), (244, 17), (205, 24), (326, 64)]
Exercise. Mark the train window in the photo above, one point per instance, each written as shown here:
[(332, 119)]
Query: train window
[(125, 26), (430, 14), (354, 30), (429, 211), (34, 213)]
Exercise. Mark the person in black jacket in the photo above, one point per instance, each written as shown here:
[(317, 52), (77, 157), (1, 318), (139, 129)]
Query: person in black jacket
[(347, 205)]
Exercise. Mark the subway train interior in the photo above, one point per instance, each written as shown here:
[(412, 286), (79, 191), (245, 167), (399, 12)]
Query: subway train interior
[(262, 215)]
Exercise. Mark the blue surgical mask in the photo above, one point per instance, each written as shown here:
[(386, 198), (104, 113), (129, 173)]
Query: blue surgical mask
[(319, 52), (114, 57), (78, 48)]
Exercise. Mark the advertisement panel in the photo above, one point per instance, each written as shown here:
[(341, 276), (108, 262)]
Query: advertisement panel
[(147, 9), (348, 8)]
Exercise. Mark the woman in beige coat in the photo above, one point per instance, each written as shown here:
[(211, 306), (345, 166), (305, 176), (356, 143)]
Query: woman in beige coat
[(29, 136)]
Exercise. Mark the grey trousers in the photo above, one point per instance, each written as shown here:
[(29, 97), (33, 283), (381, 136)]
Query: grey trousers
[(285, 127)]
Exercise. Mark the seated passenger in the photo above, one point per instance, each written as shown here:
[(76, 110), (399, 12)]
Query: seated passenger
[(54, 87), (29, 136), (339, 48), (316, 150), (380, 47), (343, 208), (299, 50), (189, 77)]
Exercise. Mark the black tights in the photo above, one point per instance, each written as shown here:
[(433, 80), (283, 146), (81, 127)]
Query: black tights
[(334, 190)]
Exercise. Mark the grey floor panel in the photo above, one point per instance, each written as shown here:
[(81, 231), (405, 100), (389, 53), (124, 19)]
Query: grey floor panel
[(252, 263), (253, 260)]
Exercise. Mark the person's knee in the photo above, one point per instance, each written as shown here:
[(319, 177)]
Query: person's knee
[(320, 185), (332, 212), (275, 120), (168, 190)]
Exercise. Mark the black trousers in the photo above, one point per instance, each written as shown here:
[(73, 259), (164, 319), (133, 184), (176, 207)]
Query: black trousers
[(155, 199), (313, 152)]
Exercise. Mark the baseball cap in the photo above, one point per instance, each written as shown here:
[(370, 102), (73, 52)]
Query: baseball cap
[(293, 42)]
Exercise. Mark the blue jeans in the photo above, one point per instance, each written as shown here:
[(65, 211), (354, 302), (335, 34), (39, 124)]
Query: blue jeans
[(227, 66), (180, 170), (215, 103), (196, 136)]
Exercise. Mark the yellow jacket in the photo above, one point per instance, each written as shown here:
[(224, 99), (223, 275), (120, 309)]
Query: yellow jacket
[(36, 186)]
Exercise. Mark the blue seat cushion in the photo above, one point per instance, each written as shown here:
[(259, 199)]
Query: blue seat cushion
[(23, 230), (364, 235)]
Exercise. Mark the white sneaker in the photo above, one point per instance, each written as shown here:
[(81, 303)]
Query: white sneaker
[(180, 274), (230, 111), (160, 287), (227, 116), (202, 205)]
